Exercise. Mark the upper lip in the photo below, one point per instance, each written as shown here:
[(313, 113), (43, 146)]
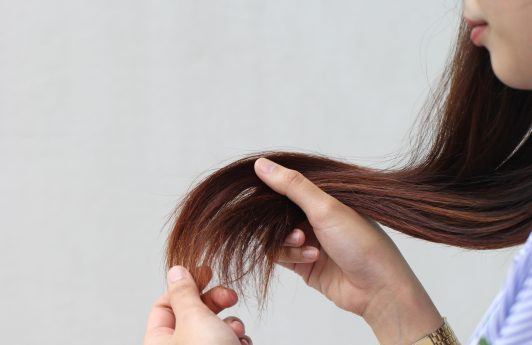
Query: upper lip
[(472, 23)]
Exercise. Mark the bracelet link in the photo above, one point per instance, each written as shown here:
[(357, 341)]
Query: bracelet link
[(442, 336)]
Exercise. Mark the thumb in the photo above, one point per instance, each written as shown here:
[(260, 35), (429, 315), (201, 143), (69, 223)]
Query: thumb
[(321, 208), (183, 292)]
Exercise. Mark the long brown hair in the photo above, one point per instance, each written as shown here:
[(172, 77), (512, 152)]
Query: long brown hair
[(470, 187)]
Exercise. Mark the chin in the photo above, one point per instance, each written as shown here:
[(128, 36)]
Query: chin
[(504, 69)]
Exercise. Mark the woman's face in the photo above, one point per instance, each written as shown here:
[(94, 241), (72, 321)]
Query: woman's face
[(507, 36)]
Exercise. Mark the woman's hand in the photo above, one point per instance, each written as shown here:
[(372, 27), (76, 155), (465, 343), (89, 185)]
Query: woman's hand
[(182, 317), (351, 260)]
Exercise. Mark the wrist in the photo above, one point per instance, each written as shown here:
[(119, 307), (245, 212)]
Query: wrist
[(402, 314)]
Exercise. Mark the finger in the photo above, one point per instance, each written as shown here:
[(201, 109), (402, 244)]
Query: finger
[(295, 239), (303, 270), (298, 255), (246, 340), (161, 319), (184, 294), (236, 325), (219, 298), (318, 206), (309, 234)]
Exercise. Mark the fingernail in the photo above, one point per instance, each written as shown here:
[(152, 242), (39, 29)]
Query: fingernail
[(266, 165), (175, 273), (245, 342), (310, 253)]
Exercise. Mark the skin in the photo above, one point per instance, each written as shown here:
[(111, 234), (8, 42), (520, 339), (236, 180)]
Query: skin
[(346, 257), (183, 316), (508, 38), (355, 265)]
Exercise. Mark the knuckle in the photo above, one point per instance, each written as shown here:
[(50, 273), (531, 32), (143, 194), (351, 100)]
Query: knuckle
[(293, 178), (324, 210), (179, 289), (190, 314), (175, 287)]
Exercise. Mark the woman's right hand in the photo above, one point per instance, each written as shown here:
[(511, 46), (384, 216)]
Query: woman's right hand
[(351, 261)]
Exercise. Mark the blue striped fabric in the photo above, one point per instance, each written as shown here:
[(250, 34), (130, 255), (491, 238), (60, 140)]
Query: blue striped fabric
[(508, 321)]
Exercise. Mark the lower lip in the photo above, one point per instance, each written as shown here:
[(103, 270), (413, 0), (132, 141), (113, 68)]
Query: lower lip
[(476, 34)]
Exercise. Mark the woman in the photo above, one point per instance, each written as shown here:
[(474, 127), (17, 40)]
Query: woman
[(473, 189)]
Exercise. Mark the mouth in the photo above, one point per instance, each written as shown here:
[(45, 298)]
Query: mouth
[(475, 22), (477, 27)]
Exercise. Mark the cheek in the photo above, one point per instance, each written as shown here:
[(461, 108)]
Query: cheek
[(509, 41), (517, 17)]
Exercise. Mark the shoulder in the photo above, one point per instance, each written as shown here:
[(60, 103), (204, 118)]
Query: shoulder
[(503, 322), (517, 305), (527, 249), (522, 264)]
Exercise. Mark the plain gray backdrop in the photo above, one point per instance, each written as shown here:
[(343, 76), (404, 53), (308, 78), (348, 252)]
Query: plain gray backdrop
[(111, 110)]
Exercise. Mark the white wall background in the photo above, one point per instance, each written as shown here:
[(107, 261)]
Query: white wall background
[(110, 110)]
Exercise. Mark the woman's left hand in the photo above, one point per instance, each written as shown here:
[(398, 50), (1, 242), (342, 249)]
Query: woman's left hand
[(181, 316)]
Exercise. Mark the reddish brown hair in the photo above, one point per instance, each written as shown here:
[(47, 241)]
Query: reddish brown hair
[(471, 188)]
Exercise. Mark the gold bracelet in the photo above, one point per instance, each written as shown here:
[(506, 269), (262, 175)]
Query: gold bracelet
[(444, 335)]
